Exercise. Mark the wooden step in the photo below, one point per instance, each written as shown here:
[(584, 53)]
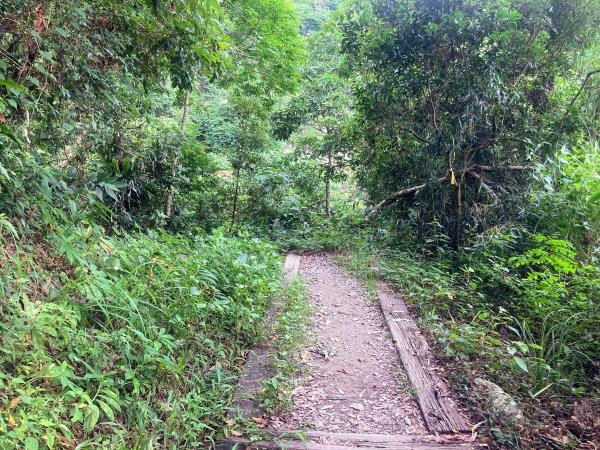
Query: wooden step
[(322, 440), (259, 362)]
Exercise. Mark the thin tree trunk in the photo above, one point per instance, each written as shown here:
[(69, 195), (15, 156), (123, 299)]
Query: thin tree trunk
[(328, 188), (456, 235), (184, 119), (235, 197)]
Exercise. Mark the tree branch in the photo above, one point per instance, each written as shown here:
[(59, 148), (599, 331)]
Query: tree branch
[(398, 195), (474, 171), (581, 88)]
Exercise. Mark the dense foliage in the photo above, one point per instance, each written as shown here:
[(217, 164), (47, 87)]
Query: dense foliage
[(150, 151), (126, 342), (458, 96)]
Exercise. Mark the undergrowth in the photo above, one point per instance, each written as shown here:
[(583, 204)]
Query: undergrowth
[(289, 337), (127, 341)]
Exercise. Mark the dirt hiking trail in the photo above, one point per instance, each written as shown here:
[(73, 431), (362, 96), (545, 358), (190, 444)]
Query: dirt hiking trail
[(371, 380), (356, 382)]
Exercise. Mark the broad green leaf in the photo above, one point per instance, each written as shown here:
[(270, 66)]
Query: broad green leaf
[(107, 410), (12, 84), (594, 197), (31, 443), (521, 363)]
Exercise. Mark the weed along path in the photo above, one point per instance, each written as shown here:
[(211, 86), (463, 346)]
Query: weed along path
[(370, 380)]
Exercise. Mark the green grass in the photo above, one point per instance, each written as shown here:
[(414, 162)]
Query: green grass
[(126, 341)]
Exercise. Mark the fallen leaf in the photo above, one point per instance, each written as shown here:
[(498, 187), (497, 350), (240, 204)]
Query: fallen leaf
[(14, 402), (259, 420), (40, 24), (235, 433)]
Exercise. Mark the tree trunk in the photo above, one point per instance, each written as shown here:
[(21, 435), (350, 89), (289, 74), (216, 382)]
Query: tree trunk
[(328, 188), (184, 119), (235, 197), (456, 235)]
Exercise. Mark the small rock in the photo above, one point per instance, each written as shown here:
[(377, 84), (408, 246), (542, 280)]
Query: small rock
[(500, 401)]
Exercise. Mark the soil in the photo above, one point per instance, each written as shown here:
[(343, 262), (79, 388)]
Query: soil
[(355, 381)]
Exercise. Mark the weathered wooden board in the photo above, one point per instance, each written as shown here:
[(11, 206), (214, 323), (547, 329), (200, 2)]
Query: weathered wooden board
[(258, 367), (372, 439), (439, 410), (392, 443), (291, 267), (259, 362)]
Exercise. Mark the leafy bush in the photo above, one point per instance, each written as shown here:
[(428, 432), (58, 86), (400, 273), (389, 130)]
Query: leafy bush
[(125, 341)]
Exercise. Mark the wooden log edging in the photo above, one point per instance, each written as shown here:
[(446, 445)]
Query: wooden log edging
[(259, 362), (324, 440), (291, 267), (440, 412)]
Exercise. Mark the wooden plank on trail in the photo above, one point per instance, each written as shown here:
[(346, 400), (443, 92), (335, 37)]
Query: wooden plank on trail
[(382, 440), (259, 362), (439, 410), (291, 267), (258, 367), (398, 442)]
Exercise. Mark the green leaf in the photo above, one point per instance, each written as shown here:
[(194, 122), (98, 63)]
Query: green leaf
[(46, 55), (92, 416), (107, 410), (5, 131), (50, 437), (594, 197), (540, 391), (521, 363), (31, 443), (76, 414), (12, 84)]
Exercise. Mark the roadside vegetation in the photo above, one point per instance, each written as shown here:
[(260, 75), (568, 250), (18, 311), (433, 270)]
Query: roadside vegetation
[(289, 338), (157, 157)]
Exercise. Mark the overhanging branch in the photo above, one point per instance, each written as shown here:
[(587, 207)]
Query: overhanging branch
[(398, 195), (474, 171)]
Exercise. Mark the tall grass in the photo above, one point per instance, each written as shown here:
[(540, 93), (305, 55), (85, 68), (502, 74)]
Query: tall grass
[(127, 341)]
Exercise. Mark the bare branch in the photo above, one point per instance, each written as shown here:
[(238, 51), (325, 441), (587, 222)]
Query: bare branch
[(581, 88), (398, 195), (473, 171)]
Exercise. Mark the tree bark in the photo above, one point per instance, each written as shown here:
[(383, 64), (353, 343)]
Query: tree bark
[(235, 198), (184, 119), (328, 188)]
